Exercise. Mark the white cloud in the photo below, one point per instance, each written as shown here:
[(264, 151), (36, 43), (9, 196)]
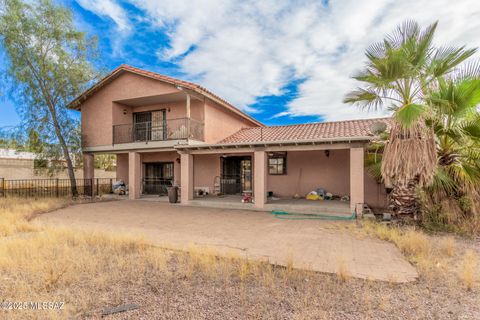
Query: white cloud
[(108, 9), (247, 49)]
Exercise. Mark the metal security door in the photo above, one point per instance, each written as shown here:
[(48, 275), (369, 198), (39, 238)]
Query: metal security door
[(158, 177), (236, 175)]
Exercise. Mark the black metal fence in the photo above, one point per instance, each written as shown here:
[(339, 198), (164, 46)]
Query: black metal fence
[(54, 187)]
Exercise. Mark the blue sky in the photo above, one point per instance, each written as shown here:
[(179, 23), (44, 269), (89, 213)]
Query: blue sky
[(282, 61)]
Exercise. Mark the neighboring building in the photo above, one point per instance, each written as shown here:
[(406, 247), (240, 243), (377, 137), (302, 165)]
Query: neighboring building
[(21, 165), (165, 130)]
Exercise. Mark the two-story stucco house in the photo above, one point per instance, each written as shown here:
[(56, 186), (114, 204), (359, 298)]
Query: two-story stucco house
[(169, 131)]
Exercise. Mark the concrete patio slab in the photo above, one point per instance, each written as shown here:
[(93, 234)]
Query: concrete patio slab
[(328, 207), (311, 244)]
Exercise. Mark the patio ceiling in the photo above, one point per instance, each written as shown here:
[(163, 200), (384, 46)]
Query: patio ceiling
[(156, 99)]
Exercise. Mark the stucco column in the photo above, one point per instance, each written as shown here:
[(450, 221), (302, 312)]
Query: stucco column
[(176, 171), (357, 192), (260, 178), (134, 175), (186, 177), (88, 166)]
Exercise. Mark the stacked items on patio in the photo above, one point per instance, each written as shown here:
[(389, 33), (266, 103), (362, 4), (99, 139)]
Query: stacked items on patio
[(319, 194)]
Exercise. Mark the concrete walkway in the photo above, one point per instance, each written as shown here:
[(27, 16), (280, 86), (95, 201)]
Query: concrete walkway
[(311, 244)]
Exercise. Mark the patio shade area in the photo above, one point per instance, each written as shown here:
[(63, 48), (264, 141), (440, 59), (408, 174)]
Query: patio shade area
[(327, 207)]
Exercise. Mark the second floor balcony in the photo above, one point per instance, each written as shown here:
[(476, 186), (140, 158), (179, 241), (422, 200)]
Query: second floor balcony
[(167, 129)]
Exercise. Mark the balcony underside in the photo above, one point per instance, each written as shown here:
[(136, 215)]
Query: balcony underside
[(140, 145)]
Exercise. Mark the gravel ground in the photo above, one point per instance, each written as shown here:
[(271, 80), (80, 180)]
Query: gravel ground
[(291, 295)]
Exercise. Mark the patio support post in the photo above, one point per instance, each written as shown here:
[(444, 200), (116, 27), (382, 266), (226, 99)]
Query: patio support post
[(88, 166), (188, 106), (186, 178), (357, 192), (134, 175), (260, 178)]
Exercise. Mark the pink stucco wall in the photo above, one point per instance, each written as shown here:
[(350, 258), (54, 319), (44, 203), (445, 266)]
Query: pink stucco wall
[(174, 110), (205, 168), (122, 167), (317, 170), (375, 195), (98, 113), (332, 173), (309, 170), (221, 123)]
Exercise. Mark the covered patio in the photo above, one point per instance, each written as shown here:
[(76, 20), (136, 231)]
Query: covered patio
[(328, 207), (336, 166)]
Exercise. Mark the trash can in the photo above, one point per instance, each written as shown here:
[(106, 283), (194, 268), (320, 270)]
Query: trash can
[(173, 194)]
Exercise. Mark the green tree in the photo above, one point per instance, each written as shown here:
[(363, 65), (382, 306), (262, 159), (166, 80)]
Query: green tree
[(106, 161), (48, 67), (34, 143), (401, 73)]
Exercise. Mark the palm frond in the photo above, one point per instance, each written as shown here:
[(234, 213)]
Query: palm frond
[(455, 97), (446, 59), (468, 70), (442, 183), (406, 31), (471, 128), (366, 98), (373, 164), (409, 114)]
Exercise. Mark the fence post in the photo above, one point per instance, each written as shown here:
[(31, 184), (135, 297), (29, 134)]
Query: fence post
[(56, 188), (2, 184), (91, 186), (97, 187), (111, 185)]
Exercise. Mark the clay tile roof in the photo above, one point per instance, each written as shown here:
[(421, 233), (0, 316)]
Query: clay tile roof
[(185, 84), (305, 132)]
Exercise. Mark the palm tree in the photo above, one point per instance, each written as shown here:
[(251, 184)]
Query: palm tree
[(453, 197), (400, 72), (456, 122)]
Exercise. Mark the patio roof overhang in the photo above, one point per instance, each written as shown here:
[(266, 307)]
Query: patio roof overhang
[(321, 143)]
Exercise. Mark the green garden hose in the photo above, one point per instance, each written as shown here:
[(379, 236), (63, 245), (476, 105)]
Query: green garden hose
[(280, 214)]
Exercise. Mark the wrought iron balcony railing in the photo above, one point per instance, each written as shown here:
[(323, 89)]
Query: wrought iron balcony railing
[(171, 129)]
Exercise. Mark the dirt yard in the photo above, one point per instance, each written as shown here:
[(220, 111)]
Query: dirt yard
[(308, 244), (93, 272)]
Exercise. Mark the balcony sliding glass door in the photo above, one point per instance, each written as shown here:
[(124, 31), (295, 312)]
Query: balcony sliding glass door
[(149, 126)]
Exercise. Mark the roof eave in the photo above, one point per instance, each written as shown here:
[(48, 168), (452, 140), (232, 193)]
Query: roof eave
[(280, 142)]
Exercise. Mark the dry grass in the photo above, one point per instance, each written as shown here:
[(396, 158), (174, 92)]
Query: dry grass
[(342, 272), (53, 264), (436, 257), (448, 246), (60, 264), (468, 270), (90, 271), (16, 213)]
